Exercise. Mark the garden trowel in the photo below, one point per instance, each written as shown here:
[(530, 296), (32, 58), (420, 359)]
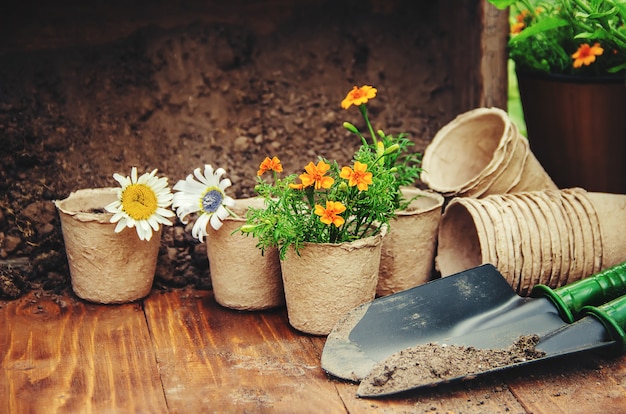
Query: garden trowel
[(412, 368), (458, 306)]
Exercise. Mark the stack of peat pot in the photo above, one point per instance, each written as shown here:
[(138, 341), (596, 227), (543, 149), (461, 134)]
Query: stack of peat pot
[(479, 153), (502, 208), (550, 237)]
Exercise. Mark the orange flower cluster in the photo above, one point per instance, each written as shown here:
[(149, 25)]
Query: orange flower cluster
[(327, 203), (586, 55), (520, 22), (315, 175), (270, 165)]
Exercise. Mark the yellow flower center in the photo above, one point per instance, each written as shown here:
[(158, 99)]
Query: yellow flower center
[(139, 201)]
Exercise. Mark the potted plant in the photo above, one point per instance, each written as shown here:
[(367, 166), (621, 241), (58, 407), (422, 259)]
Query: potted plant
[(570, 59), (108, 234), (328, 224), (241, 278), (408, 251)]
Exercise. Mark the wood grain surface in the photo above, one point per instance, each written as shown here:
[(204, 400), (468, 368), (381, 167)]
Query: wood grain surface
[(180, 352)]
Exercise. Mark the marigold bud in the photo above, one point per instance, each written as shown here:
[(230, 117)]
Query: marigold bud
[(248, 228), (350, 127), (391, 149)]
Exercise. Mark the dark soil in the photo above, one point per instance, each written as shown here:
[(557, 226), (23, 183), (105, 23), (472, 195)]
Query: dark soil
[(176, 98), (430, 364)]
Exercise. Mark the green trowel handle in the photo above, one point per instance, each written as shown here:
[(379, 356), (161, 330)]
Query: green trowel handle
[(613, 317), (592, 291)]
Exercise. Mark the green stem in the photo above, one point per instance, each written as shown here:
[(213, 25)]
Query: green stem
[(582, 5), (530, 8), (363, 109), (619, 37), (309, 191)]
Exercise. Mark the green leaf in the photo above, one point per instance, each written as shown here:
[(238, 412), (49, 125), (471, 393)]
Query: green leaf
[(540, 27), (618, 68), (622, 8), (502, 4)]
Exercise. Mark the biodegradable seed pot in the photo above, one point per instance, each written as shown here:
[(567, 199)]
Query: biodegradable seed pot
[(105, 266), (408, 252), (327, 280), (242, 278), (481, 152), (541, 237)]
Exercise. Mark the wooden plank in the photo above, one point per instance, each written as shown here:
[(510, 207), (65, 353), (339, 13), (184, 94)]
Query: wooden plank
[(482, 396), (493, 61), (213, 359), (63, 355), (583, 384)]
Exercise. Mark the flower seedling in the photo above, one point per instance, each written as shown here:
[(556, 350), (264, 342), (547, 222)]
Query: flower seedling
[(571, 37), (329, 204)]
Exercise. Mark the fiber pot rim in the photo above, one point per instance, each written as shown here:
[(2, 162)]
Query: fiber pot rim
[(364, 241), (448, 138), (436, 199), (81, 203), (558, 77)]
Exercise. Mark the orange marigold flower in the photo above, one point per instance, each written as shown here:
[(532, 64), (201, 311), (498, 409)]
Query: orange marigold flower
[(516, 28), (522, 16), (316, 175), (586, 55), (270, 165), (358, 96), (330, 214), (359, 176)]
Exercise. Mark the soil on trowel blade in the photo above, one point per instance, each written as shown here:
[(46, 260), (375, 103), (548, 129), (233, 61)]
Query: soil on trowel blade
[(431, 363)]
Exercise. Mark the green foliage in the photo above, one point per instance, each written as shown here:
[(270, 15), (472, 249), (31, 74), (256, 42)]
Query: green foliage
[(399, 159), (553, 31), (289, 218)]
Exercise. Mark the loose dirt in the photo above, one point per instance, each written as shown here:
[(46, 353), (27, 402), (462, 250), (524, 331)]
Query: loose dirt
[(429, 364), (177, 97)]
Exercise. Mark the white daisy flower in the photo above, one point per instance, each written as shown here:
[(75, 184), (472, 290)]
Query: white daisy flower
[(205, 196), (142, 203)]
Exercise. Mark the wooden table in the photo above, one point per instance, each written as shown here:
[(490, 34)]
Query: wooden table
[(180, 352)]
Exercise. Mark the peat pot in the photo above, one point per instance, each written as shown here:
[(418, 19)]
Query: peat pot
[(408, 252), (105, 267), (327, 280), (243, 278), (577, 129), (552, 237), (481, 152)]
